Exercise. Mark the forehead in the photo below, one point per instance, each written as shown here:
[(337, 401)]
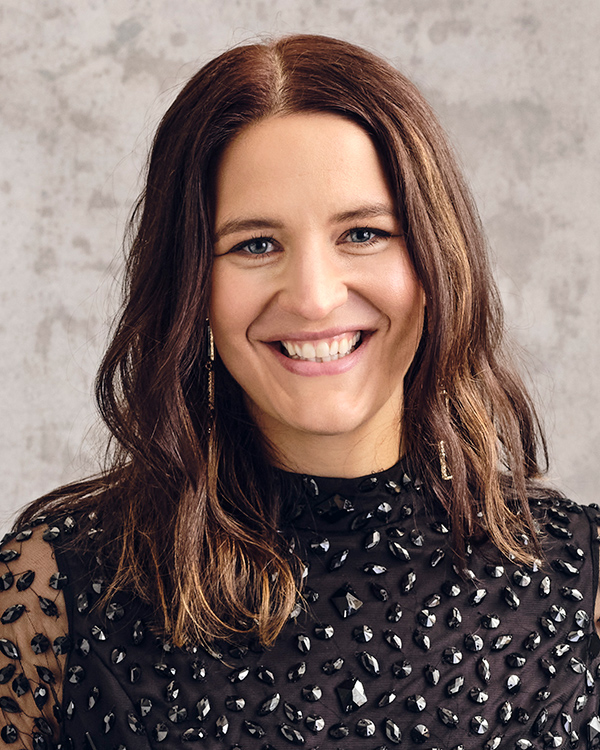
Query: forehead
[(310, 157)]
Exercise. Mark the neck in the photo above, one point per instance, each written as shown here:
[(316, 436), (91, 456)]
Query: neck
[(336, 455)]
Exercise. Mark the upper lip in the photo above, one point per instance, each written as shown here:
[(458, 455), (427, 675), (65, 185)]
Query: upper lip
[(314, 335)]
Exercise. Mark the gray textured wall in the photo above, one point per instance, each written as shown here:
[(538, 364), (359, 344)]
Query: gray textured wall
[(83, 85)]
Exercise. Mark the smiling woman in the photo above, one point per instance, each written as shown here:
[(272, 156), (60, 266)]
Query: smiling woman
[(301, 314), (322, 522)]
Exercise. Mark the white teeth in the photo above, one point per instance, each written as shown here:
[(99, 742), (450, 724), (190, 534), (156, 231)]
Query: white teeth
[(322, 351), (308, 351)]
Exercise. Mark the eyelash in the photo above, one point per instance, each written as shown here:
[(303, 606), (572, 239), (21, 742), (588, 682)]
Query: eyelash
[(378, 234)]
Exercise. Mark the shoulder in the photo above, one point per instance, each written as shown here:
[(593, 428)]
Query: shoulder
[(34, 638)]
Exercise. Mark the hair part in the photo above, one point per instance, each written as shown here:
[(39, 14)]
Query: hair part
[(190, 509)]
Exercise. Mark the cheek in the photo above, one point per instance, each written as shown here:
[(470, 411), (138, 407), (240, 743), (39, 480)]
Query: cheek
[(233, 307)]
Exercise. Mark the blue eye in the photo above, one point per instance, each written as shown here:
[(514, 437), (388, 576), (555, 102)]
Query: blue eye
[(258, 246), (362, 234)]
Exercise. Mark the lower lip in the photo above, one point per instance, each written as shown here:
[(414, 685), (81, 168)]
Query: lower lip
[(313, 369)]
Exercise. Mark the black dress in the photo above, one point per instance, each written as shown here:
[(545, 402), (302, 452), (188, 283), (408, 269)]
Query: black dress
[(391, 647)]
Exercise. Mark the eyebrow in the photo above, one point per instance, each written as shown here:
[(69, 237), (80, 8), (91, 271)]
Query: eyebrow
[(368, 211)]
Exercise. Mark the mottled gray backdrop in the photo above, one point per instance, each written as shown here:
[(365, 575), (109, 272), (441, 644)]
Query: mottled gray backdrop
[(83, 84)]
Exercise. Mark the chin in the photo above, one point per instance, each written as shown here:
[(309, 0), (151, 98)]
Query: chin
[(328, 422)]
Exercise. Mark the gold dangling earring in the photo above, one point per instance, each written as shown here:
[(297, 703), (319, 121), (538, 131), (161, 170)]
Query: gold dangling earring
[(210, 369), (446, 475), (212, 452)]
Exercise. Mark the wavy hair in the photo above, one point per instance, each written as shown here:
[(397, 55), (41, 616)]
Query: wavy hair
[(191, 509)]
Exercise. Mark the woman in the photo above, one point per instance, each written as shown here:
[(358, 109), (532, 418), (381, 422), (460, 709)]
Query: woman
[(308, 297)]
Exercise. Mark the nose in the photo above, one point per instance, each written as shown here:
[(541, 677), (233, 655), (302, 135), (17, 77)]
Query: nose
[(314, 283)]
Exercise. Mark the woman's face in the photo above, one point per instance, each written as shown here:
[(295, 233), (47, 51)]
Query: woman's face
[(316, 310)]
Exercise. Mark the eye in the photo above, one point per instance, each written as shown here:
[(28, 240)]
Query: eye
[(365, 236), (362, 234), (257, 246)]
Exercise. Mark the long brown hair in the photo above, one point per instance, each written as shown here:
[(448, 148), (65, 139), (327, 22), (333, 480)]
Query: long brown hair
[(190, 507)]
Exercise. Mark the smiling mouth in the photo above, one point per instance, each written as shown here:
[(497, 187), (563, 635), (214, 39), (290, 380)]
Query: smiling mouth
[(326, 350)]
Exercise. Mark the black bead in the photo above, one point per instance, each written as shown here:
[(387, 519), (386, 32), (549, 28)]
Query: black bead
[(477, 695), (297, 671), (291, 734), (134, 724), (422, 640), (393, 639), (454, 618), (237, 703), (490, 622), (564, 567), (311, 693), (426, 618), (402, 669), (420, 734), (365, 728), (501, 642), (9, 734), (6, 673), (510, 597), (408, 581), (62, 645), (292, 713), (40, 697), (455, 686), (75, 675), (386, 699), (394, 613), (20, 685), (9, 649), (448, 717), (346, 602), (339, 731), (477, 597), (254, 730), (436, 557), (25, 580), (540, 722), (505, 712), (332, 666), (392, 731), (451, 588), (9, 705), (160, 732), (268, 705), (334, 508), (238, 675), (58, 581), (515, 660), (415, 703), (399, 552), (351, 694), (452, 655), (372, 540), (265, 675), (370, 663), (431, 674), (533, 641), (479, 725), (338, 560), (177, 714), (473, 642)]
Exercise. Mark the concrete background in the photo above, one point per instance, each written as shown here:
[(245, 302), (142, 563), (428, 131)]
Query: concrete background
[(83, 84)]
